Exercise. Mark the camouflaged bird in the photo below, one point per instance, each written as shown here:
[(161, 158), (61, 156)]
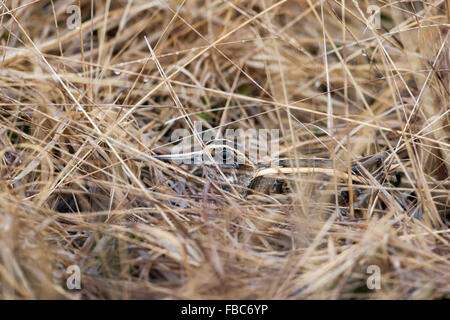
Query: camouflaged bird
[(230, 169)]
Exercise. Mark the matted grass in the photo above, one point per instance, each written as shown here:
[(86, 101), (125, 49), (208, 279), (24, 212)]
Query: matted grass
[(78, 106)]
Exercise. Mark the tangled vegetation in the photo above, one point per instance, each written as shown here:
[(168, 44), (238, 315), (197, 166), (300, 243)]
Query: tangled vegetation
[(84, 107)]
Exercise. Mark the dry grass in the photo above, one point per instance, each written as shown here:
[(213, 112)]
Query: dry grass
[(78, 105)]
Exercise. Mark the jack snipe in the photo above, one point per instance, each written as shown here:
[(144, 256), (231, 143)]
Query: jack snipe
[(226, 167)]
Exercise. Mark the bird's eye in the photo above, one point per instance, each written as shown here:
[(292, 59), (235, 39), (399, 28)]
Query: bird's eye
[(224, 155)]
